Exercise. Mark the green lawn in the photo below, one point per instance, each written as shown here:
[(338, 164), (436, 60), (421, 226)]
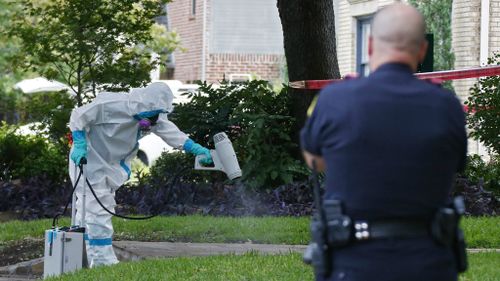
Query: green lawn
[(484, 267), (480, 232)]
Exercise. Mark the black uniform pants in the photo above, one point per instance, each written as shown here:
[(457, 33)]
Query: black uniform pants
[(409, 259)]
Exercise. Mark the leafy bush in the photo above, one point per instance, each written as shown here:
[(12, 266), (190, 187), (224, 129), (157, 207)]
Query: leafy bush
[(34, 197), (8, 100), (483, 116), (258, 122), (479, 184), (52, 111), (178, 167), (486, 174), (184, 198), (170, 185), (27, 156), (478, 201), (174, 188)]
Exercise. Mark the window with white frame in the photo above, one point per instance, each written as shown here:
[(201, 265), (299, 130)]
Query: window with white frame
[(363, 33)]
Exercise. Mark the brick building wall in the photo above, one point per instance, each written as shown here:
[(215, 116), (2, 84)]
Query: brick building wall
[(465, 33), (346, 35), (466, 19), (188, 62), (465, 38), (494, 44), (348, 12), (268, 67), (466, 45), (466, 41)]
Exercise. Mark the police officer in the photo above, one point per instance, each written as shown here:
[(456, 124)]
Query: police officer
[(390, 145)]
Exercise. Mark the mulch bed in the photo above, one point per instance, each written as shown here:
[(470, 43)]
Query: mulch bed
[(19, 251), (219, 199)]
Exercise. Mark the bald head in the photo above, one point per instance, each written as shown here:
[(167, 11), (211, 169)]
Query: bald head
[(398, 30), (399, 26)]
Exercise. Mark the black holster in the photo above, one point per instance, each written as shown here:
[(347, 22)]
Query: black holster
[(330, 230), (446, 231), (318, 253), (339, 226)]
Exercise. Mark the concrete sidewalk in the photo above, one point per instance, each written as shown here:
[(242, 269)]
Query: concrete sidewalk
[(132, 250)]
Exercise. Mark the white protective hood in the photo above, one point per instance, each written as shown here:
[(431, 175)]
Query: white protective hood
[(156, 96)]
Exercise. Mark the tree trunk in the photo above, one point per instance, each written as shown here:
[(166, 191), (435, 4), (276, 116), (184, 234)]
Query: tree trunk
[(310, 49)]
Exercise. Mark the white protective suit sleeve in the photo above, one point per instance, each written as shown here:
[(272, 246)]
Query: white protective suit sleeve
[(169, 132), (84, 116)]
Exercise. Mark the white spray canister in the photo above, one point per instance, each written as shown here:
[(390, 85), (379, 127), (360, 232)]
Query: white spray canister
[(224, 157)]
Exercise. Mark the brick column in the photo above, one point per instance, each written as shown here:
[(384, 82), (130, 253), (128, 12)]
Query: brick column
[(465, 41)]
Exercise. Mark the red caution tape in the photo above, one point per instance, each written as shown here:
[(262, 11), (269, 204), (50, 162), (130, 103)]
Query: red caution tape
[(436, 75)]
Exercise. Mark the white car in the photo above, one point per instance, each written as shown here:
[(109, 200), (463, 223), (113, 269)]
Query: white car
[(150, 149)]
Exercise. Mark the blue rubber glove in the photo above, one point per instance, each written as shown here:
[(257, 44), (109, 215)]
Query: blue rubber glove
[(79, 146), (191, 147)]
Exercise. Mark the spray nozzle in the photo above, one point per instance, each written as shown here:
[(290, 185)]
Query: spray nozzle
[(223, 156)]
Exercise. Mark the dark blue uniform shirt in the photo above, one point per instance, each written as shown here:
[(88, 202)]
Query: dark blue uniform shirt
[(392, 144)]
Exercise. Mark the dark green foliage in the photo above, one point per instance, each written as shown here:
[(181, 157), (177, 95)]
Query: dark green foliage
[(174, 188), (437, 14), (483, 116), (52, 112), (479, 184), (89, 45), (257, 120), (478, 201), (8, 74), (486, 173), (172, 167), (8, 100), (34, 197), (28, 156)]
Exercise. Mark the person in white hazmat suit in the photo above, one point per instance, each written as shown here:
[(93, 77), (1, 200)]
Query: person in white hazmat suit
[(106, 133)]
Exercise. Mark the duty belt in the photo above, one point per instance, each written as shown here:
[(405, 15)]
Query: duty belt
[(331, 228), (365, 230)]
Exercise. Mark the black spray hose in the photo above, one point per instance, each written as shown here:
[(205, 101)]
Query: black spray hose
[(114, 214), (84, 161), (55, 220)]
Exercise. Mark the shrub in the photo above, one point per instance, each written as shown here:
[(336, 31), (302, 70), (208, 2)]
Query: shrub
[(52, 111), (486, 174), (479, 184), (176, 194), (34, 197), (178, 166), (483, 116), (170, 186), (8, 100), (257, 120), (478, 201), (27, 156)]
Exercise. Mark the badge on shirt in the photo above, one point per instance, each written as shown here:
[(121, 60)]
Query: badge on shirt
[(310, 110)]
